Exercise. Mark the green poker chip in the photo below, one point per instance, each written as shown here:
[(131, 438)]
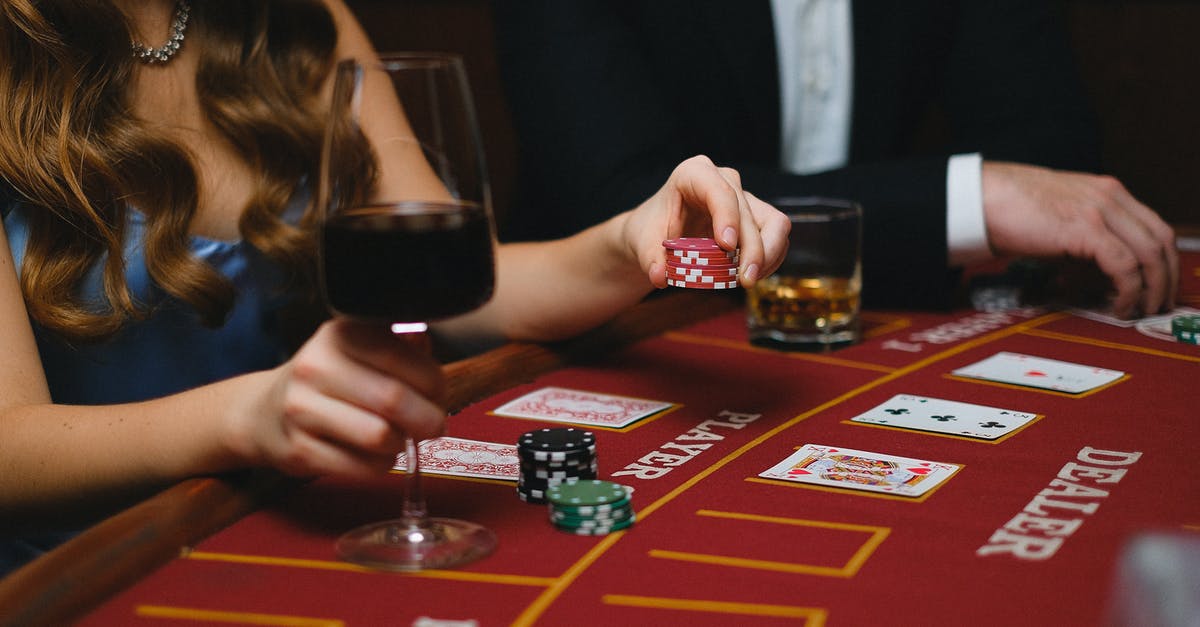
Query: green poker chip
[(613, 517), (590, 507), (1186, 328), (599, 531), (586, 493), (592, 510)]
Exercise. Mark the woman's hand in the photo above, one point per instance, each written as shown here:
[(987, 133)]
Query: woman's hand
[(343, 404), (703, 200)]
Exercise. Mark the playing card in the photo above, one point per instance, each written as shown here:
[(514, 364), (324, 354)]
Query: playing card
[(466, 458), (861, 470), (1039, 372), (1106, 316), (582, 408), (921, 413), (1159, 327)]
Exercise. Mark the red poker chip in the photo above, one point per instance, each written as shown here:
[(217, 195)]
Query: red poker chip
[(686, 271), (674, 263), (705, 262), (692, 243), (723, 285), (676, 253), (703, 279)]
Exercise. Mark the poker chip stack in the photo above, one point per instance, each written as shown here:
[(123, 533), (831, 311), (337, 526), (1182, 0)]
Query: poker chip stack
[(1186, 328), (698, 262), (590, 508), (553, 456)]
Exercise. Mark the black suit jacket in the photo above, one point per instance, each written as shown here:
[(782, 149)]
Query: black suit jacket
[(607, 96)]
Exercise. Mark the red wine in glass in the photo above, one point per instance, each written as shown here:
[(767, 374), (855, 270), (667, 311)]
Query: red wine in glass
[(408, 262)]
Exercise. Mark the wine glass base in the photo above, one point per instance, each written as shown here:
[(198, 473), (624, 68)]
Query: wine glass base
[(406, 545)]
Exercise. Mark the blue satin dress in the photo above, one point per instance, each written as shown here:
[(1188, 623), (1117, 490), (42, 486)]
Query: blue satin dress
[(171, 350)]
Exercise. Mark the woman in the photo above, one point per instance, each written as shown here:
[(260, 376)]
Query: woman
[(158, 240)]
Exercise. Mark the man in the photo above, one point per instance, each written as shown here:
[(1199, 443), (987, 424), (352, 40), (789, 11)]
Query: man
[(829, 97)]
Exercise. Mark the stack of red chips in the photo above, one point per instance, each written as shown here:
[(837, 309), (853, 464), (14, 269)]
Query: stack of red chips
[(699, 262)]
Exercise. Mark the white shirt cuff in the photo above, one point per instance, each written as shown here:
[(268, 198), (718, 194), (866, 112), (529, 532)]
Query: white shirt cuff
[(966, 232)]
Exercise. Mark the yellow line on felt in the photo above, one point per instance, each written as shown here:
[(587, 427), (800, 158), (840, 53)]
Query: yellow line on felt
[(815, 616), (891, 324), (739, 345), (539, 605), (1114, 345), (544, 600), (876, 536), (456, 575), (753, 564), (243, 618), (783, 520)]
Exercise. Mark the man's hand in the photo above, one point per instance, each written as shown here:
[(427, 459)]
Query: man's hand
[(1039, 212)]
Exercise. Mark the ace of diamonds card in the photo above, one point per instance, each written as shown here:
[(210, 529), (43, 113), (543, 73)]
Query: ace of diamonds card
[(1039, 372)]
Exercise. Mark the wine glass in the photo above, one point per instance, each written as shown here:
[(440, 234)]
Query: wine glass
[(406, 237)]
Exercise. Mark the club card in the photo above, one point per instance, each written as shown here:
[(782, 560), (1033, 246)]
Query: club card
[(921, 413), (581, 408), (1039, 372), (466, 458), (860, 470)]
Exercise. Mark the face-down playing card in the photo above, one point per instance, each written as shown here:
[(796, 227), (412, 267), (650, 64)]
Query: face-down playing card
[(581, 407), (908, 411), (839, 467), (466, 458)]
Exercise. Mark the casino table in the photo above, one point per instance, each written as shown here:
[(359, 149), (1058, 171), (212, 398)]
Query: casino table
[(1033, 530)]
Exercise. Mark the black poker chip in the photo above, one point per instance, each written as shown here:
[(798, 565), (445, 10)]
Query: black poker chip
[(564, 440), (552, 456)]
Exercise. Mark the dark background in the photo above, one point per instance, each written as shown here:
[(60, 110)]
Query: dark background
[(1140, 61)]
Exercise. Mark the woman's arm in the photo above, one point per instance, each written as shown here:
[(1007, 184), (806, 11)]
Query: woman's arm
[(341, 405), (551, 290)]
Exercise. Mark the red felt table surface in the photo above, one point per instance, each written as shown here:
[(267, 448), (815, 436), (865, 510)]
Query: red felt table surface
[(716, 546)]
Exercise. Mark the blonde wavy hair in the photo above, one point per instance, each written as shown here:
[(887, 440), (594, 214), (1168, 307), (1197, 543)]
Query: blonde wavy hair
[(71, 148)]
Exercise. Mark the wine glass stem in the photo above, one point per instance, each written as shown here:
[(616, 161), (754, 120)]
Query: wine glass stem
[(414, 499), (414, 513)]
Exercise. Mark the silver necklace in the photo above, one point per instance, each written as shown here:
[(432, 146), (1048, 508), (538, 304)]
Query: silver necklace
[(165, 52)]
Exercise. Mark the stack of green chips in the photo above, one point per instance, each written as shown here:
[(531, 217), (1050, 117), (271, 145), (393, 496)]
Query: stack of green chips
[(1186, 328), (590, 507)]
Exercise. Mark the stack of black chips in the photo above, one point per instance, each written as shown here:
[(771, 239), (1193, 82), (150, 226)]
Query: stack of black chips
[(553, 456)]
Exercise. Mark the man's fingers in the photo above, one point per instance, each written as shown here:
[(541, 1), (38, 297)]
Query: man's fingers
[(1154, 244), (1117, 261)]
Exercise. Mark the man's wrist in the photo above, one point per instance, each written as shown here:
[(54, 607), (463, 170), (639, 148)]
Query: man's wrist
[(966, 230)]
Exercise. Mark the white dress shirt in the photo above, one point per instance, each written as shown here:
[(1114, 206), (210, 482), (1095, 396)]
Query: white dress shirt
[(814, 44)]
